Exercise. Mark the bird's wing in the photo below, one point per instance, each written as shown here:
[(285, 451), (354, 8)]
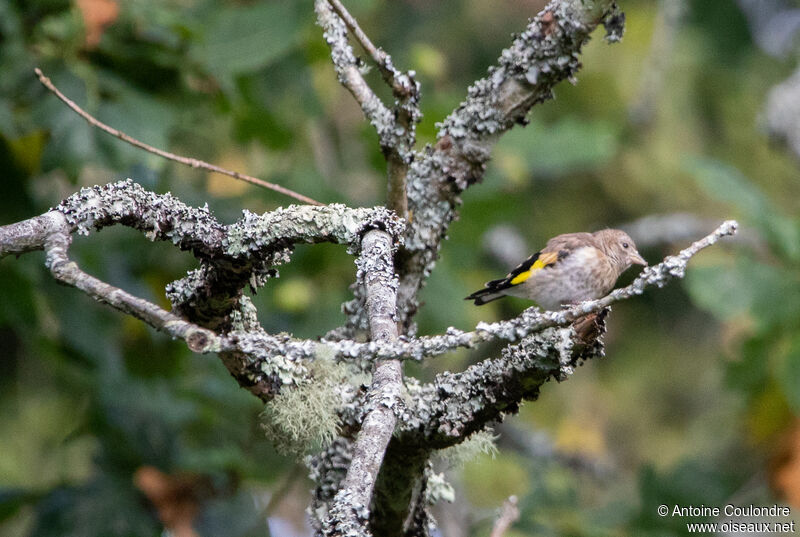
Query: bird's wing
[(524, 270), (558, 248)]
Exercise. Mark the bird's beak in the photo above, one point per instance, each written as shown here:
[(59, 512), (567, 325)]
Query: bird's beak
[(637, 259)]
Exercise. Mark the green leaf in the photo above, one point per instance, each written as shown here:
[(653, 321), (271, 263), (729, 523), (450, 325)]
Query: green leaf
[(727, 184), (244, 39)]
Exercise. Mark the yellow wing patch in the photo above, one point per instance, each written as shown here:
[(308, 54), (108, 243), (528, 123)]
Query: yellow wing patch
[(544, 260)]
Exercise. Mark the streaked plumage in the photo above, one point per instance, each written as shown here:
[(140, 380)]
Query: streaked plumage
[(572, 268)]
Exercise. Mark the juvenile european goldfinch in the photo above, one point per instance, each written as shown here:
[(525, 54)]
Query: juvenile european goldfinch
[(572, 268)]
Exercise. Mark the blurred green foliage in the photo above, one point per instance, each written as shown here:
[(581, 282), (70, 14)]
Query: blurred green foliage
[(701, 382)]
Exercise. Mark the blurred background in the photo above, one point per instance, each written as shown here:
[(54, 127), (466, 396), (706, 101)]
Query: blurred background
[(109, 428)]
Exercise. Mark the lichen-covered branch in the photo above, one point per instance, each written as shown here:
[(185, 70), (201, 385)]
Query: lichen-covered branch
[(545, 53), (245, 251), (232, 257), (402, 84), (396, 127), (52, 232), (349, 511), (528, 322), (455, 405), (347, 69), (56, 245), (209, 311)]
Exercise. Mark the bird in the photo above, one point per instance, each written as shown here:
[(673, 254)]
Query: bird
[(572, 268)]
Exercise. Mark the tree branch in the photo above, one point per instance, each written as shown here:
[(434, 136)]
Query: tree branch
[(530, 321), (402, 84), (350, 510), (246, 250), (192, 162), (456, 405), (397, 127), (210, 298), (347, 69), (56, 245)]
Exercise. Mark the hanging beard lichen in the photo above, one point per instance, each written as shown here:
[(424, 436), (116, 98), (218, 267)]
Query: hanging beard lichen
[(304, 419), (480, 443)]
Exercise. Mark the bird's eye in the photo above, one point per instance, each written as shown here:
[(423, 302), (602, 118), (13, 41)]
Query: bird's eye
[(624, 244)]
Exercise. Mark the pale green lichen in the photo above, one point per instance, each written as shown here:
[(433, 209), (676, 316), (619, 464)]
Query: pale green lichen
[(480, 443), (439, 489), (245, 316), (304, 419)]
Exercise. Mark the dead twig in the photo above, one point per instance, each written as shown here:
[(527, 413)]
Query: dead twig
[(192, 162)]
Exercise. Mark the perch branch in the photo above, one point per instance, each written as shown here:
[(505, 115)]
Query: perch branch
[(191, 162), (350, 510), (530, 321), (456, 405), (255, 239)]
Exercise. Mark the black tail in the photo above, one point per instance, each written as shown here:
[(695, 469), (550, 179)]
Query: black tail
[(484, 296)]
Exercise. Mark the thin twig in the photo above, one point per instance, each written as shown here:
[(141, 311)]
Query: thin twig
[(192, 162), (347, 69), (406, 90), (56, 244), (383, 60), (396, 126), (508, 516)]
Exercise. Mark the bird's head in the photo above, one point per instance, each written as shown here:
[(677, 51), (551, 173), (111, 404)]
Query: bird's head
[(620, 248)]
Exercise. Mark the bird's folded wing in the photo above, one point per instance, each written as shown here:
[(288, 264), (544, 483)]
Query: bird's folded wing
[(525, 270)]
